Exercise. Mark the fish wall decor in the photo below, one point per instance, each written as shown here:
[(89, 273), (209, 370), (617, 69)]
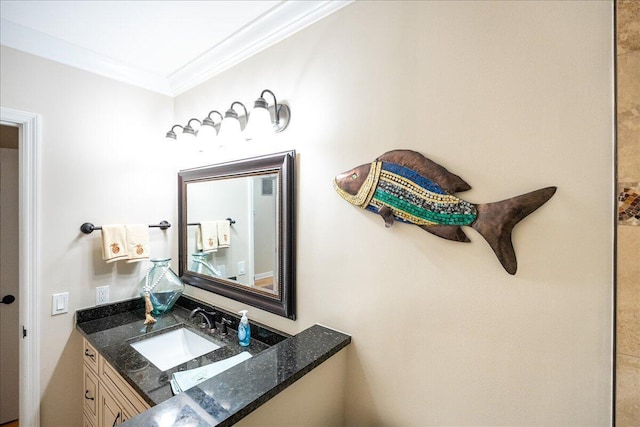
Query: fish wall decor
[(405, 186)]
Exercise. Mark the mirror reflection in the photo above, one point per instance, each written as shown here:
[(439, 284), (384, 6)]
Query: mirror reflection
[(236, 230), (232, 229)]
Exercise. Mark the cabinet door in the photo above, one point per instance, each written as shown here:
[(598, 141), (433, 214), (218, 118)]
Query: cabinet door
[(87, 422), (108, 399), (90, 355), (90, 382), (109, 410), (121, 390)]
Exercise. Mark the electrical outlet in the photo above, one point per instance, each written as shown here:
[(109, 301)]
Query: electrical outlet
[(241, 270), (102, 294)]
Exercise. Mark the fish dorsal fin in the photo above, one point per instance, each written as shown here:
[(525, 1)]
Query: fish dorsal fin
[(413, 160)]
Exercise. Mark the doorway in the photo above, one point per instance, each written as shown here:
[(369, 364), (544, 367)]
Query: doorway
[(9, 275), (29, 306)]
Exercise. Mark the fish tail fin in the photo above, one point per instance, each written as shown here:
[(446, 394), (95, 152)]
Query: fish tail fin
[(495, 221)]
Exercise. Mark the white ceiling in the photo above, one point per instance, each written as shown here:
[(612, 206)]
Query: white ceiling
[(164, 46)]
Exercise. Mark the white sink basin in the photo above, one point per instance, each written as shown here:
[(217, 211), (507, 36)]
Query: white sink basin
[(173, 348)]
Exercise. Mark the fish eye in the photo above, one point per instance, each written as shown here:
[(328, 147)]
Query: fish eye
[(354, 176)]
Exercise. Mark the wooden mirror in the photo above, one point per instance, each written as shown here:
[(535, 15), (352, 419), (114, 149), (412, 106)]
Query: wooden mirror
[(248, 206)]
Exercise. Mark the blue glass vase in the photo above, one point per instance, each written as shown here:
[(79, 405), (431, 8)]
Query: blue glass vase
[(162, 284)]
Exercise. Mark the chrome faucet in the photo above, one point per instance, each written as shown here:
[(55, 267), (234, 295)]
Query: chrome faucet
[(209, 317)]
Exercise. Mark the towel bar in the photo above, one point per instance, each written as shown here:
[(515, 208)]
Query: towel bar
[(87, 227), (231, 222)]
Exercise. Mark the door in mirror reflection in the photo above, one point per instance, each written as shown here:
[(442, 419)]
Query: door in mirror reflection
[(265, 227)]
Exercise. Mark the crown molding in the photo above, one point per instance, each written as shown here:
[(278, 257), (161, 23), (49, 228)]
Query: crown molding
[(279, 23), (40, 44), (284, 20)]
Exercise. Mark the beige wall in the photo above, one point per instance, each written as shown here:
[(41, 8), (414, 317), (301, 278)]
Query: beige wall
[(317, 399), (101, 163), (628, 284), (512, 96)]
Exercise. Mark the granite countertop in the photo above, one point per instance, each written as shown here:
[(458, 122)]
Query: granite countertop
[(278, 361)]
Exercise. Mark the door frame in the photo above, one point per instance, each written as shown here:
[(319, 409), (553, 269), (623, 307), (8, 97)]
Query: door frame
[(29, 135)]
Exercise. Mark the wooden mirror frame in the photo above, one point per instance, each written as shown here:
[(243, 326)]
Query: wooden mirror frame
[(283, 164)]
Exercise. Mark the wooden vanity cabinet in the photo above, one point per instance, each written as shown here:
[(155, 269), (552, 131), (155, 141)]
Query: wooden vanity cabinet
[(110, 411), (108, 399), (90, 384), (90, 408)]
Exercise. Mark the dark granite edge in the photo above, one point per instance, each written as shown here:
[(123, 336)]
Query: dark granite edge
[(100, 311), (271, 393)]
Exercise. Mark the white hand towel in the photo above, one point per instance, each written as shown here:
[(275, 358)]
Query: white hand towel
[(184, 380), (114, 242), (137, 242), (224, 234), (208, 236)]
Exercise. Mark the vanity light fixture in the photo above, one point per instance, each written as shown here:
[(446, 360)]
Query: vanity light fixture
[(207, 131), (171, 134), (189, 131), (230, 128), (264, 120), (260, 123)]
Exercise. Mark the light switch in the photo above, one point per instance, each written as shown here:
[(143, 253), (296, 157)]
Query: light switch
[(60, 303), (241, 270)]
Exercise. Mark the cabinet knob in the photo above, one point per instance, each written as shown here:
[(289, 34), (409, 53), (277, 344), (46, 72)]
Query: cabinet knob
[(86, 395), (115, 422), (91, 355)]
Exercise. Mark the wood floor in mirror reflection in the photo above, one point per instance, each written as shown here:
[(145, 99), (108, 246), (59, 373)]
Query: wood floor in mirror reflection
[(265, 283)]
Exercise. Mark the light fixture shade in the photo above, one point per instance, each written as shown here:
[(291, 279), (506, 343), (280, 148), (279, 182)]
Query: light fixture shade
[(207, 133), (188, 132), (187, 135), (230, 128), (260, 124), (172, 134)]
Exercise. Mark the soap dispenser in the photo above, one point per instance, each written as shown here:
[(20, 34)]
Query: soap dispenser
[(244, 330)]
